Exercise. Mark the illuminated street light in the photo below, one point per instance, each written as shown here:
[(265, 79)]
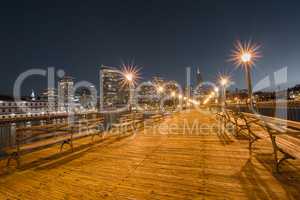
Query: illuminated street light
[(179, 96), (223, 81), (130, 74), (246, 55), (129, 77), (216, 89), (173, 94), (160, 89)]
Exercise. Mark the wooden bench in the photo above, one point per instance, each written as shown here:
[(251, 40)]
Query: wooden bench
[(125, 123), (284, 136), (155, 118), (94, 127), (38, 137), (224, 117), (246, 124), (29, 139), (243, 125), (229, 117), (285, 139), (138, 120)]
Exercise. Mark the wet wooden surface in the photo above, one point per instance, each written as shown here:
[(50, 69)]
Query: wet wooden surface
[(165, 162)]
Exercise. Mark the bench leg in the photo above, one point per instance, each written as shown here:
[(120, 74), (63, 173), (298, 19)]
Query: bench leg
[(285, 157), (251, 142), (99, 133), (15, 156), (275, 150), (69, 142), (273, 140)]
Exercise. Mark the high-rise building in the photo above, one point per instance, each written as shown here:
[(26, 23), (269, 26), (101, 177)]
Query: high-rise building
[(112, 93), (93, 96), (199, 78), (50, 96), (65, 94)]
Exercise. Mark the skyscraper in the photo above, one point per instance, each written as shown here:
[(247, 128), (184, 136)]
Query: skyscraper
[(112, 93), (50, 96), (199, 79), (65, 94)]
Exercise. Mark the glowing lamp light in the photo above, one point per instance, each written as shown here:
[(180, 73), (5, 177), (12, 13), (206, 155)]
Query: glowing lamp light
[(160, 89), (245, 54), (129, 77), (173, 94), (246, 57), (180, 96), (224, 81)]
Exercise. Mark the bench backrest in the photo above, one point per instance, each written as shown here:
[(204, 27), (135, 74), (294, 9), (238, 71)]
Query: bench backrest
[(26, 135)]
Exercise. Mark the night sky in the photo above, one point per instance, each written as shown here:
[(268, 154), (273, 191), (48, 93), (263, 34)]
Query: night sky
[(162, 37)]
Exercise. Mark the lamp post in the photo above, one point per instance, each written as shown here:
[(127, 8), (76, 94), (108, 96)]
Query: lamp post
[(130, 81), (160, 89), (246, 59), (216, 89), (130, 76), (223, 82), (246, 55), (173, 94)]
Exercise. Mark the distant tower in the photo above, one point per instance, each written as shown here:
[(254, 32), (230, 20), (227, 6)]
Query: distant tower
[(65, 92), (112, 93), (199, 79), (93, 96), (32, 96), (51, 98)]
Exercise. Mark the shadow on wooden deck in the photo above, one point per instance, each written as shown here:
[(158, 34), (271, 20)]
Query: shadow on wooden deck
[(61, 158), (253, 178)]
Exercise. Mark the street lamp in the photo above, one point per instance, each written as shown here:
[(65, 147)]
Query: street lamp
[(173, 94), (160, 89), (224, 82), (216, 89), (130, 76), (245, 55)]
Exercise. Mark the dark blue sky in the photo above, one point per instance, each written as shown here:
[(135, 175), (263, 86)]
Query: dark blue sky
[(163, 37)]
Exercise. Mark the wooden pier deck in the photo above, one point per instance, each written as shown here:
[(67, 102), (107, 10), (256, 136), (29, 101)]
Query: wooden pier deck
[(154, 165)]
